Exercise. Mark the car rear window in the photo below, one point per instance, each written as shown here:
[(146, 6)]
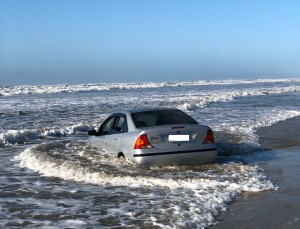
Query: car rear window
[(161, 117)]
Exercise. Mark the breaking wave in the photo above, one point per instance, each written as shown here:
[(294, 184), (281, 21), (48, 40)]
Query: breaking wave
[(47, 164), (204, 99), (11, 137), (43, 89), (192, 196)]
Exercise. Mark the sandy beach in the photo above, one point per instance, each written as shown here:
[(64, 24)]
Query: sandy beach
[(271, 209)]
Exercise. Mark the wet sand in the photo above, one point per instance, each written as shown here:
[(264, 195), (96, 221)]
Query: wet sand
[(278, 208)]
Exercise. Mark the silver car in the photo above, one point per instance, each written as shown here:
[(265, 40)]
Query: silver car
[(155, 137)]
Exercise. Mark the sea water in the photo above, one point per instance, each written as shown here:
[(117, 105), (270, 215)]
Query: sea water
[(50, 177)]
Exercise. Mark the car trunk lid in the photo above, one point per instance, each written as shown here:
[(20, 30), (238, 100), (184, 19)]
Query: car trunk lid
[(177, 137)]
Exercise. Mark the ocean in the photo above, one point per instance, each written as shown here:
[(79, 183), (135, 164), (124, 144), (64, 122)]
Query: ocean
[(50, 177)]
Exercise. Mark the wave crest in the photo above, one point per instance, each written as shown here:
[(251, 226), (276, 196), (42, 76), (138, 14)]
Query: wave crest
[(44, 89), (12, 137)]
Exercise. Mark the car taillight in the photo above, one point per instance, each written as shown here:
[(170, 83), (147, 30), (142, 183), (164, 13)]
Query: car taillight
[(209, 138), (142, 142)]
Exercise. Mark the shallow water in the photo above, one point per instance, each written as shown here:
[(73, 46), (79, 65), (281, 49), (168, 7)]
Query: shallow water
[(50, 178)]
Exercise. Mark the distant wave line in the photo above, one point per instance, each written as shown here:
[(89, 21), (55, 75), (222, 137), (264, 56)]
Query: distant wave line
[(47, 89)]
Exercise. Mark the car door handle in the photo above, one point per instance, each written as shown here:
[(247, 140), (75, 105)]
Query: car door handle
[(116, 138), (101, 140)]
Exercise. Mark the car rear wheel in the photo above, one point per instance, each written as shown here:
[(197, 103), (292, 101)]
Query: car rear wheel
[(121, 155)]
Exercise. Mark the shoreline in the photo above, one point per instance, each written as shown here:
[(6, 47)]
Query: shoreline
[(277, 208)]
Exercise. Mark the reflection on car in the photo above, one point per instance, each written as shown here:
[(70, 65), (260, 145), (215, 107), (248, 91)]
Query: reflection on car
[(155, 137)]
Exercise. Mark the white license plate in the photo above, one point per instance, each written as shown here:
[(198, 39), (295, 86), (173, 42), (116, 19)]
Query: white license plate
[(179, 138)]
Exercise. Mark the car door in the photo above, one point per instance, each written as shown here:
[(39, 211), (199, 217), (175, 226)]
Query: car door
[(99, 140), (112, 141)]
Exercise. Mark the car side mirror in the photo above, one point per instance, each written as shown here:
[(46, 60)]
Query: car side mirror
[(92, 132)]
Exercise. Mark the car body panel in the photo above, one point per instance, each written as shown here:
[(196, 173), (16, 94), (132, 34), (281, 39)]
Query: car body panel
[(171, 144), (159, 137), (98, 142), (160, 158), (112, 143)]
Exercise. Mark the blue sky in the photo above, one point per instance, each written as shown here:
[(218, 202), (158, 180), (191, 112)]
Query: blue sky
[(73, 41)]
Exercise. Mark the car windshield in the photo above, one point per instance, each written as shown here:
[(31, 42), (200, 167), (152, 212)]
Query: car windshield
[(161, 117)]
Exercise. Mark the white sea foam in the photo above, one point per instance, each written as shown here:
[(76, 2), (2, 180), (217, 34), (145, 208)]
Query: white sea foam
[(248, 127), (17, 136), (191, 198), (41, 89), (11, 137), (201, 99)]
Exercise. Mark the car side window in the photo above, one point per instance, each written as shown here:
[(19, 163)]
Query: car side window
[(120, 125), (125, 126), (106, 126)]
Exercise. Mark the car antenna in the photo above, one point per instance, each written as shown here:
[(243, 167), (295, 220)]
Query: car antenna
[(138, 101)]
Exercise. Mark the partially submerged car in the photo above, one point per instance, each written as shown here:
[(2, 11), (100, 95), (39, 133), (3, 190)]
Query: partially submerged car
[(155, 137)]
